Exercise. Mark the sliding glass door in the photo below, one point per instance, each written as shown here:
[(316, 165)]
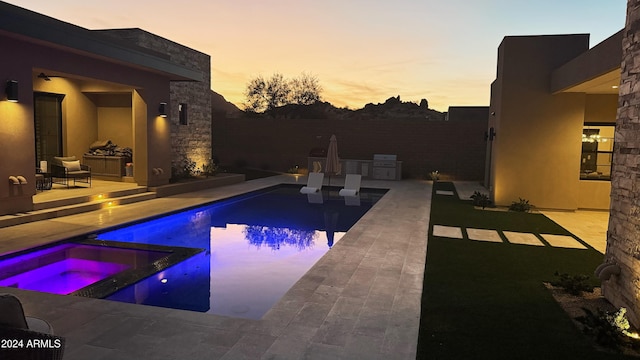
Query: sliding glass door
[(48, 126)]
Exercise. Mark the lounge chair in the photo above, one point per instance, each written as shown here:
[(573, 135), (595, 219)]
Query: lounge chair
[(15, 326), (351, 185), (352, 200), (315, 198), (314, 183), (63, 169)]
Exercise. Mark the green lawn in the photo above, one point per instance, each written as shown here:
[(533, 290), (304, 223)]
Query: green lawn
[(486, 300)]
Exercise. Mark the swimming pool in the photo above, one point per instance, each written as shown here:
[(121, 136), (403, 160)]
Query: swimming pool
[(246, 251), (256, 247)]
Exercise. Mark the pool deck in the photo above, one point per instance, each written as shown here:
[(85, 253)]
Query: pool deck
[(360, 301)]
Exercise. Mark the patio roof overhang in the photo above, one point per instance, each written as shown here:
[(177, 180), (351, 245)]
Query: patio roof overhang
[(596, 71), (33, 27)]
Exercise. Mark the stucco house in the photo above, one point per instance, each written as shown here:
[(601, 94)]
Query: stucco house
[(563, 133), (65, 87), (552, 121)]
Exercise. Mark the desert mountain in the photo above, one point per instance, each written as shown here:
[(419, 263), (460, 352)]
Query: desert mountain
[(392, 108), (220, 105)]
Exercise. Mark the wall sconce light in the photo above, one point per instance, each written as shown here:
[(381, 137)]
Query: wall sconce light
[(162, 110), (12, 90), (492, 134), (44, 77)]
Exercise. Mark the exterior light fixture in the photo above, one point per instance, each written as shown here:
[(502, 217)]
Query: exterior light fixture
[(162, 110), (44, 77), (182, 114), (12, 90)]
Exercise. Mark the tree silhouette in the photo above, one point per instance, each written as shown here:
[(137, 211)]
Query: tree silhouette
[(265, 95), (305, 89)]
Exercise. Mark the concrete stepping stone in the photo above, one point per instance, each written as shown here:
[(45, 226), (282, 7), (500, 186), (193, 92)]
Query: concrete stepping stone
[(447, 231), (484, 235), (563, 241), (444, 192), (523, 238)]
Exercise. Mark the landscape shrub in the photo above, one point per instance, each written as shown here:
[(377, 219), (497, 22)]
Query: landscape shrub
[(480, 199), (573, 284), (522, 205)]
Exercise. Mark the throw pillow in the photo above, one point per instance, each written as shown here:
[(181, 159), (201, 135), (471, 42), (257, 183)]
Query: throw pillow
[(72, 165), (59, 159)]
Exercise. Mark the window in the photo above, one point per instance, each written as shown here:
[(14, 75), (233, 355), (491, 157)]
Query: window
[(182, 114), (597, 151)]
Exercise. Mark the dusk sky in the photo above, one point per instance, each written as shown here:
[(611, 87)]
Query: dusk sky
[(361, 51)]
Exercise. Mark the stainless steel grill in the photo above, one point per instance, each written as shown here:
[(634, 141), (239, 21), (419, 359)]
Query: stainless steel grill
[(384, 167)]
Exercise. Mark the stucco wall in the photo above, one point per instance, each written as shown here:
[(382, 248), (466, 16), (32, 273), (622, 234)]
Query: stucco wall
[(623, 240), (455, 148), (115, 124), (115, 118), (602, 58), (594, 194), (17, 150), (81, 75), (601, 108), (536, 151)]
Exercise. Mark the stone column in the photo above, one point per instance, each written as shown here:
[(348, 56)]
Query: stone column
[(623, 238), (193, 141)]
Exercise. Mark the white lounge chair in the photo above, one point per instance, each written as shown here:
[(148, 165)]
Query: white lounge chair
[(314, 183), (315, 198), (351, 185), (352, 200)]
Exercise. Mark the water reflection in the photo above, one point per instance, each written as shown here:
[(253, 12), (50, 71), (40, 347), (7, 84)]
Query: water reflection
[(246, 280), (275, 237)]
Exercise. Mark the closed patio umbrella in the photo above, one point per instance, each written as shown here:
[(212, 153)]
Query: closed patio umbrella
[(332, 165)]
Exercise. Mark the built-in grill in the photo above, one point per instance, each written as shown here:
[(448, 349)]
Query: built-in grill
[(385, 167)]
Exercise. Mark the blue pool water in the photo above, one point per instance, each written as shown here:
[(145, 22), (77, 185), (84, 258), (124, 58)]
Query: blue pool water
[(256, 246)]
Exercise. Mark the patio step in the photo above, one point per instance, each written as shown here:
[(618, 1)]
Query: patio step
[(76, 205), (73, 200)]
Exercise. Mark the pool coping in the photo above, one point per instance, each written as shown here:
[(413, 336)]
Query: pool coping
[(362, 299), (111, 285)]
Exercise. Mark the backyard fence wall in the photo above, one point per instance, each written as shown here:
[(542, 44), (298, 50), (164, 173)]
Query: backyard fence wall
[(455, 147)]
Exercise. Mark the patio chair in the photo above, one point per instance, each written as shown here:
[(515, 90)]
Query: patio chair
[(20, 330), (314, 183), (352, 200), (351, 185), (65, 168), (315, 198)]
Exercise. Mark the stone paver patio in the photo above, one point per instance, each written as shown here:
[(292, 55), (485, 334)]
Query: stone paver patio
[(484, 235), (360, 301)]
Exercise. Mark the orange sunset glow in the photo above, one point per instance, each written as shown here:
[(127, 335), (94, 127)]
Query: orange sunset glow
[(361, 51)]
